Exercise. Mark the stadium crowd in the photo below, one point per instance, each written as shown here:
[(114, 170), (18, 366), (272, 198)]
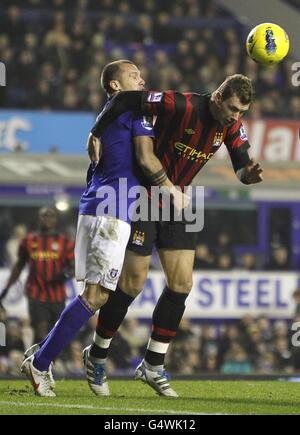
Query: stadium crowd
[(249, 346), (54, 51)]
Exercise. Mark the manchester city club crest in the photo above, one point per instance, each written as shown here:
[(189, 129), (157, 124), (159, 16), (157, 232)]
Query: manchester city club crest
[(138, 238), (218, 139)]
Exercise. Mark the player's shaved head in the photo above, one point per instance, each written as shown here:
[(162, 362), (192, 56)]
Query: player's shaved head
[(47, 218), (44, 211), (112, 71)]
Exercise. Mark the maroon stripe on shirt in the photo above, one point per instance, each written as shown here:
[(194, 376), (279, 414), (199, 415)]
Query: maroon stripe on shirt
[(49, 263)]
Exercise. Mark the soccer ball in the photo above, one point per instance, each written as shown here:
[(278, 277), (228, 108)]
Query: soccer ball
[(267, 44)]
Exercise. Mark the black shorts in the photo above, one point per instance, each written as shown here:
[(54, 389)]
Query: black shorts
[(162, 235), (44, 312)]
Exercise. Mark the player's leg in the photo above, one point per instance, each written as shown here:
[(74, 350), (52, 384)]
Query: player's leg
[(43, 317), (39, 319), (102, 258), (178, 268), (176, 252), (132, 281), (112, 314)]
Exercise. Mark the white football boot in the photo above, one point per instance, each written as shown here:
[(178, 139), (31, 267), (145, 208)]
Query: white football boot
[(95, 374), (33, 350), (158, 380), (40, 381)]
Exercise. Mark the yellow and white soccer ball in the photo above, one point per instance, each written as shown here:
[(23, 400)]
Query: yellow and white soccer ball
[(267, 44)]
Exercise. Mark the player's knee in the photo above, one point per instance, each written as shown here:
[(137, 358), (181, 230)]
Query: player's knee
[(95, 295), (181, 285), (132, 284)]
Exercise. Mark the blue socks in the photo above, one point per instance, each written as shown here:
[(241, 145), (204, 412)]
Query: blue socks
[(74, 316)]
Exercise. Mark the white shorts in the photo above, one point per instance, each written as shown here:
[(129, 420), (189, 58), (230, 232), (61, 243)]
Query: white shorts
[(100, 249)]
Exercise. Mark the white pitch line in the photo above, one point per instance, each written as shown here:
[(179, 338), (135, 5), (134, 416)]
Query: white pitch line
[(105, 408)]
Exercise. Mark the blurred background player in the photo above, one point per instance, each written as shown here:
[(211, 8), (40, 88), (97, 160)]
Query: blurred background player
[(50, 258), (102, 235), (200, 124)]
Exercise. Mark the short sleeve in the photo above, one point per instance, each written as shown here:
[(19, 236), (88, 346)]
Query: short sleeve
[(142, 126), (236, 137), (163, 103)]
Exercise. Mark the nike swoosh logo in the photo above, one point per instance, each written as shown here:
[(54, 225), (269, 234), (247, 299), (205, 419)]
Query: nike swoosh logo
[(35, 385)]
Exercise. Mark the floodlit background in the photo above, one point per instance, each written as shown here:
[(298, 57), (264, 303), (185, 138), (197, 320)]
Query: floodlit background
[(243, 303)]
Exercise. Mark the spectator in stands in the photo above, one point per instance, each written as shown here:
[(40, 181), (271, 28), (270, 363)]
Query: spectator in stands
[(265, 329), (12, 246), (136, 335), (230, 335), (266, 364), (211, 54), (204, 260), (224, 262), (279, 260), (296, 296), (236, 361), (5, 230), (283, 356), (247, 261)]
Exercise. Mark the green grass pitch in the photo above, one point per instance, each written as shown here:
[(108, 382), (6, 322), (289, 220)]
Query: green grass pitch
[(135, 398)]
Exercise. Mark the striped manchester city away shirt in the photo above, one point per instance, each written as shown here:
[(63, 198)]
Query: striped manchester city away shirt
[(48, 256), (186, 134)]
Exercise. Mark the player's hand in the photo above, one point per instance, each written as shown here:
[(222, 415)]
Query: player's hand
[(252, 173), (180, 199), (94, 148)]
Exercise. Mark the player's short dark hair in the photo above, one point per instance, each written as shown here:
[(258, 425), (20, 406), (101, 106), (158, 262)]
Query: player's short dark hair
[(238, 85), (111, 71)]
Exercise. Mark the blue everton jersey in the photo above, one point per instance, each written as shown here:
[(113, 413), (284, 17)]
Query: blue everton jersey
[(108, 183)]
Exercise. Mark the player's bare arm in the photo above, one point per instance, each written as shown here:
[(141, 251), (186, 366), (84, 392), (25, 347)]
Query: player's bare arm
[(93, 147), (14, 276), (154, 171)]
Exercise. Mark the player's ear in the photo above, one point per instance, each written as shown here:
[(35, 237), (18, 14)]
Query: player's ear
[(115, 85), (219, 98)]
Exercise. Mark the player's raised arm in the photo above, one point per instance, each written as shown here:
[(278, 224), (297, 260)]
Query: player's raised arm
[(144, 102), (247, 170), (122, 102)]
